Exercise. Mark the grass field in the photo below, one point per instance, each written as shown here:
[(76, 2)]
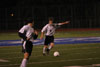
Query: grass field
[(70, 54), (14, 36)]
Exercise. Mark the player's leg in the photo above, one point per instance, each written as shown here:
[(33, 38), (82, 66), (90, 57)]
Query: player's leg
[(27, 49), (46, 42), (51, 40), (25, 59), (44, 49), (51, 46)]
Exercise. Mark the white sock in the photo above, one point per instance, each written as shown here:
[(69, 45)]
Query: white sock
[(24, 62), (44, 50), (50, 47)]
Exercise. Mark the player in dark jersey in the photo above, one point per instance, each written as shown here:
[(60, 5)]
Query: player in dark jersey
[(49, 31), (28, 35)]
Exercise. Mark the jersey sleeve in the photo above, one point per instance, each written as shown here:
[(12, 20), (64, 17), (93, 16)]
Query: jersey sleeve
[(56, 25), (22, 32), (44, 28), (23, 29)]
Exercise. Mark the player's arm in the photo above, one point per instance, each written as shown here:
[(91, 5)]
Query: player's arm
[(42, 35), (35, 34), (63, 23), (22, 34)]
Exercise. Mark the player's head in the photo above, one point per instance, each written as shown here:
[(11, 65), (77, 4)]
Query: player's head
[(29, 21), (50, 20)]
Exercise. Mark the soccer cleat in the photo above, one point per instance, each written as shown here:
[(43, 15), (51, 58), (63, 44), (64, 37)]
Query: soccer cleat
[(48, 50), (44, 54)]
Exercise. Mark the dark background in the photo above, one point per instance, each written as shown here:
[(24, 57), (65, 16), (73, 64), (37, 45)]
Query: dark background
[(81, 13)]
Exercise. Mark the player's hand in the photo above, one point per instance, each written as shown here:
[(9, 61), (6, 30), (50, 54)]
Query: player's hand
[(36, 32), (41, 37), (28, 38), (67, 22), (42, 34), (64, 23)]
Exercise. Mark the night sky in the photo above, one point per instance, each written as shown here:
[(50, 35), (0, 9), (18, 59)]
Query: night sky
[(14, 3), (81, 13)]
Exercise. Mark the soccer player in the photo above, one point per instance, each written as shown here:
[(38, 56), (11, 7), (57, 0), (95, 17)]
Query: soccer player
[(49, 31), (28, 35)]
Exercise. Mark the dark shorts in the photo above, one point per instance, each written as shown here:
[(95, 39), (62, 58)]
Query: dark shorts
[(48, 40), (27, 47)]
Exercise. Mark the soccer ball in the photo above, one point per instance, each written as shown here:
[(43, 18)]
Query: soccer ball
[(56, 54)]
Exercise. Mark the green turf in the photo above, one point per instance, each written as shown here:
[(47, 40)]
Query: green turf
[(14, 36), (72, 54), (77, 54)]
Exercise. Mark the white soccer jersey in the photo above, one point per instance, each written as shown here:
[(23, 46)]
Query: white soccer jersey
[(49, 30), (28, 30)]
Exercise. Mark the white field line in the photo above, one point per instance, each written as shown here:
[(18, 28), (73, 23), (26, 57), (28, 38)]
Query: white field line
[(2, 60), (63, 60), (93, 65), (96, 65), (80, 66), (50, 62)]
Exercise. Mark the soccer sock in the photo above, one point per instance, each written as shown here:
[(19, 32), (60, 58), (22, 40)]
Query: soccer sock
[(50, 47), (44, 50), (23, 64)]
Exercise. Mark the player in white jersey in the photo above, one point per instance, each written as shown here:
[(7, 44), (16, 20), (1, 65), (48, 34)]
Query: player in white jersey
[(49, 31), (28, 35)]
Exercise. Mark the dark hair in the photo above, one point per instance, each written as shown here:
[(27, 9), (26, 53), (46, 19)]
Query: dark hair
[(51, 18), (29, 20)]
